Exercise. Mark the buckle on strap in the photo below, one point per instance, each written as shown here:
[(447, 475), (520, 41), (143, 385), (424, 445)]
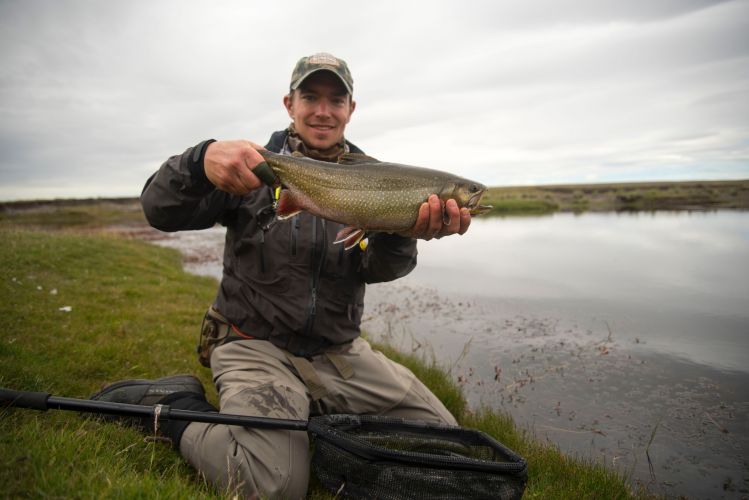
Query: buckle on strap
[(299, 345), (309, 376), (341, 364)]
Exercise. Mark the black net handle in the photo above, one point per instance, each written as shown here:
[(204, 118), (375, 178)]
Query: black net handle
[(44, 401), (319, 426)]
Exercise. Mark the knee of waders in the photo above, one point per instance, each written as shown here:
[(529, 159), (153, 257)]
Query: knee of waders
[(173, 429)]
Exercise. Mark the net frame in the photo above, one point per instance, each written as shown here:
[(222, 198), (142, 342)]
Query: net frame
[(359, 456)]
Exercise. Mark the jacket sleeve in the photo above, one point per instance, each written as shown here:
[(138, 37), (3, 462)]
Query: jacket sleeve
[(388, 257), (180, 196)]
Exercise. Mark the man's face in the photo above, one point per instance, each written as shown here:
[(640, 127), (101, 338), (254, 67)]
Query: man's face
[(320, 109)]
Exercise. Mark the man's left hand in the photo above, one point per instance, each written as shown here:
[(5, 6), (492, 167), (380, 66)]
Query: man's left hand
[(430, 222)]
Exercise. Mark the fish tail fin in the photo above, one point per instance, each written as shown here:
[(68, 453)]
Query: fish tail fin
[(349, 236)]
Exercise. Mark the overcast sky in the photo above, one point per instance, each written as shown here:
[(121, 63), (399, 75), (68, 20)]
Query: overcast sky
[(94, 96)]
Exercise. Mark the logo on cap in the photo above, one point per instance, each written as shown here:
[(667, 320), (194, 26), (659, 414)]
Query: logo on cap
[(323, 58), (322, 61)]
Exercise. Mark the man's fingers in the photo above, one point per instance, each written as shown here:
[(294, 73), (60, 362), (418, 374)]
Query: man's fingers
[(245, 180), (256, 147), (452, 214), (465, 220), (435, 215), (228, 165), (437, 218), (422, 220)]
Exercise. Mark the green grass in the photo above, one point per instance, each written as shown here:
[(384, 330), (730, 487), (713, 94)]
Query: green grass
[(62, 214), (135, 313)]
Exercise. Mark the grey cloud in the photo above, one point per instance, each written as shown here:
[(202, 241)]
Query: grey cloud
[(92, 92)]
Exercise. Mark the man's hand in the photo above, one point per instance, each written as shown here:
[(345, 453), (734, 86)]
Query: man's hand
[(228, 165), (430, 222)]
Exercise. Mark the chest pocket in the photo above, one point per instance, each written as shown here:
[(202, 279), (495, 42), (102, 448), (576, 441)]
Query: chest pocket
[(340, 272), (261, 246)]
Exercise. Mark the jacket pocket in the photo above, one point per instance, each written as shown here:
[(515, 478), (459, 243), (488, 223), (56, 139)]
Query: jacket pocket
[(264, 257)]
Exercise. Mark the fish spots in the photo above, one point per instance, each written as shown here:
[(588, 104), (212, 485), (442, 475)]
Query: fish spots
[(366, 193)]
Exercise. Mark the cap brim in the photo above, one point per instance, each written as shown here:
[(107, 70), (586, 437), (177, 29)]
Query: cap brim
[(313, 71)]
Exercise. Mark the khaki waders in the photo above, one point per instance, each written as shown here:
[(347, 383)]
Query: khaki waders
[(254, 377)]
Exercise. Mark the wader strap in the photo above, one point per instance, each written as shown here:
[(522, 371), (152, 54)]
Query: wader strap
[(341, 364), (212, 312), (214, 331), (309, 376)]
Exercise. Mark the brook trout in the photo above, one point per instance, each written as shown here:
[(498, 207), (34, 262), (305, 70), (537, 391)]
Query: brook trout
[(363, 193)]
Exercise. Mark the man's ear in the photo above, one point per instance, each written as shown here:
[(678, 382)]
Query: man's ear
[(288, 103), (351, 112)]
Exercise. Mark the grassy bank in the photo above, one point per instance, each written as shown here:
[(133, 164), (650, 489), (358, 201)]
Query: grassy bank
[(134, 313), (645, 196), (60, 214)]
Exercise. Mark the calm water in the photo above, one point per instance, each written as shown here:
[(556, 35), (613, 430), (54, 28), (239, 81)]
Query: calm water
[(678, 281), (597, 332), (622, 338)]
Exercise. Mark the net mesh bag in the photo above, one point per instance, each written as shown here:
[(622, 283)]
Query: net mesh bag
[(388, 458)]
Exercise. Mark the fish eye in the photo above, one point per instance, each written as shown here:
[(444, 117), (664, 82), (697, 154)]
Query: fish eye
[(473, 188)]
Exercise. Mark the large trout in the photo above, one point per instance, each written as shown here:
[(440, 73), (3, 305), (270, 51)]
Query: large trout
[(363, 193)]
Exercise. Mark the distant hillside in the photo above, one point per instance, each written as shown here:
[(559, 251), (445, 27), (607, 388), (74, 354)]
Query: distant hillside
[(518, 200), (635, 196)]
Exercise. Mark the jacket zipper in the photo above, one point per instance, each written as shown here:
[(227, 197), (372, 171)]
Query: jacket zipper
[(262, 252), (294, 231), (316, 274)]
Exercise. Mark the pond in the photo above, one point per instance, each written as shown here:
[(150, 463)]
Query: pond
[(622, 338), (598, 332)]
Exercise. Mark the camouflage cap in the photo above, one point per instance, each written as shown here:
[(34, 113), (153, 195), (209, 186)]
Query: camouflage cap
[(321, 61)]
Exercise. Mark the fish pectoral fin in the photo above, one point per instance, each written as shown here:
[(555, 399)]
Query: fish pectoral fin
[(354, 158), (350, 236), (287, 206)]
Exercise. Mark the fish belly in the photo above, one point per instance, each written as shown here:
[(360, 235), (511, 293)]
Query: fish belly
[(366, 209)]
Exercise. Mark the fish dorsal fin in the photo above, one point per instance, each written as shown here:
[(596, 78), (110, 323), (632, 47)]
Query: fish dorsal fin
[(354, 158), (297, 154)]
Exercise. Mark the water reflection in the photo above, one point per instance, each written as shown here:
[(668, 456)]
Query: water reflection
[(594, 331), (678, 281)]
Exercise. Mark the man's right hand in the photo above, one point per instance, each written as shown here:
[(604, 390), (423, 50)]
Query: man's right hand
[(228, 165)]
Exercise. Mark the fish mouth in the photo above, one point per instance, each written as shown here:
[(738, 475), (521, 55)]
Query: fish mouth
[(480, 209), (473, 204)]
